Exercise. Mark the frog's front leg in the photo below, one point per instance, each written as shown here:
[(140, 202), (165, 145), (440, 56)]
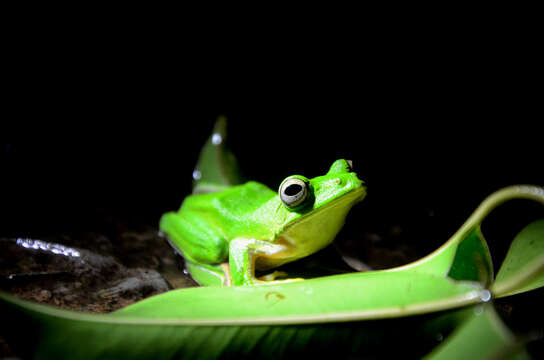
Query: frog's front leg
[(242, 255)]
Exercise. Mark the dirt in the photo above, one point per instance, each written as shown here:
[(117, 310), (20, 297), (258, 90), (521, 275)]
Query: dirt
[(91, 272)]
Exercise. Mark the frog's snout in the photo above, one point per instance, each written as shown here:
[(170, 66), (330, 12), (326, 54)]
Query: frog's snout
[(350, 169)]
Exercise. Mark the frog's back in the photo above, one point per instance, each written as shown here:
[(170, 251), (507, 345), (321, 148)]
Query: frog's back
[(232, 211)]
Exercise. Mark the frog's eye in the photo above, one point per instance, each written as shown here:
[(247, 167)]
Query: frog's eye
[(293, 192)]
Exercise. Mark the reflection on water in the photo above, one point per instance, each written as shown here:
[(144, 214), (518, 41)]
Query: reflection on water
[(47, 246)]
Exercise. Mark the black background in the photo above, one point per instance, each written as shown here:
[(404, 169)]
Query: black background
[(103, 117), (114, 128), (107, 126)]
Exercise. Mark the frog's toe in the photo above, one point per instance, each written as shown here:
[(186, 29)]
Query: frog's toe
[(290, 280), (272, 282), (273, 276)]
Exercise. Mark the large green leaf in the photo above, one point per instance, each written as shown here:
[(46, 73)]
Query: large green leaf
[(52, 333), (306, 316), (332, 298)]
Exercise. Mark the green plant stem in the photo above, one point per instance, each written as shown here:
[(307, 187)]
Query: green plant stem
[(529, 192)]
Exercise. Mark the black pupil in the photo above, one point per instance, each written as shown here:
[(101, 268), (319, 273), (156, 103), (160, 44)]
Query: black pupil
[(293, 189)]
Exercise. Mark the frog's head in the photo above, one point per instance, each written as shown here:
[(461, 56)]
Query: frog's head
[(302, 195), (316, 208)]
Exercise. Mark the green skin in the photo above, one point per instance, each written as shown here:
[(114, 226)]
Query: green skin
[(225, 236)]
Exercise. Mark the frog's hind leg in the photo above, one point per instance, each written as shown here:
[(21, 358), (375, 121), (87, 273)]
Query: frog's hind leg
[(209, 275), (203, 248), (196, 239)]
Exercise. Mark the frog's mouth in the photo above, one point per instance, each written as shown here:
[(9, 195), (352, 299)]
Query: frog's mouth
[(348, 199), (313, 231)]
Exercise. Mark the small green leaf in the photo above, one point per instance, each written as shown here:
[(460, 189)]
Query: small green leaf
[(217, 167), (483, 335), (472, 260), (523, 267)]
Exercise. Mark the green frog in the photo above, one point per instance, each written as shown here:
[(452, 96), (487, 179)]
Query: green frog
[(228, 234)]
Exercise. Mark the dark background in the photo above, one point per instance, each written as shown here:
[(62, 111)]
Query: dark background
[(110, 129), (103, 125), (107, 130)]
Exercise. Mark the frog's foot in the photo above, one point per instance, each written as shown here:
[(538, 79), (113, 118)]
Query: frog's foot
[(273, 276), (209, 275), (270, 279)]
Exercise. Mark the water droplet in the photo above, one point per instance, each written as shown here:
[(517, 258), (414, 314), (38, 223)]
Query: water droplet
[(478, 310), (485, 295), (197, 175), (439, 337), (217, 139), (73, 253)]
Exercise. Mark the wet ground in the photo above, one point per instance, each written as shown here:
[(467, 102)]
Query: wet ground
[(104, 271), (91, 271)]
